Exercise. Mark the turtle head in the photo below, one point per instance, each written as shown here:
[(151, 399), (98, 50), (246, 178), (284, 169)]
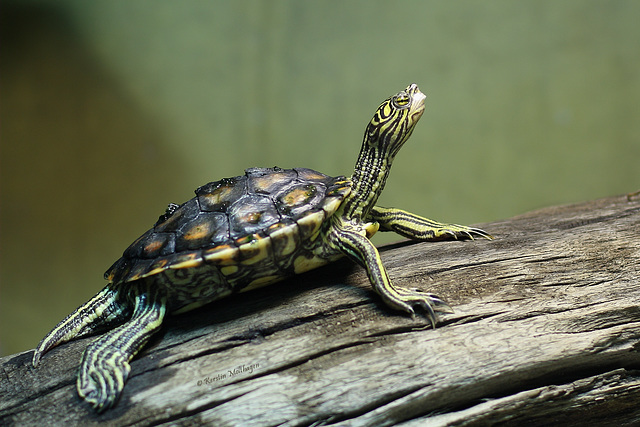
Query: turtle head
[(390, 127), (393, 122)]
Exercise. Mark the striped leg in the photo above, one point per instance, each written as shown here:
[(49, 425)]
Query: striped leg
[(415, 227), (361, 250), (105, 363), (98, 312)]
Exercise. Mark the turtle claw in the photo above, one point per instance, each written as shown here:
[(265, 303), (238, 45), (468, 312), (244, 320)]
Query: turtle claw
[(37, 355), (440, 305), (430, 312), (429, 303), (477, 232), (464, 232)]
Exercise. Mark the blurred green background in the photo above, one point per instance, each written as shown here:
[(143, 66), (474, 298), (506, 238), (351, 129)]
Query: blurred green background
[(112, 109)]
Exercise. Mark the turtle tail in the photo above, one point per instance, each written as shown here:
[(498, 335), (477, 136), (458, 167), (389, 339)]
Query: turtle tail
[(100, 311)]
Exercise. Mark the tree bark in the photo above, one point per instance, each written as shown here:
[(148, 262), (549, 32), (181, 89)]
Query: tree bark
[(546, 330)]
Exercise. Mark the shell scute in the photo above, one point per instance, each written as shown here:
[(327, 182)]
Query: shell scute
[(119, 268), (204, 230), (310, 224), (305, 174), (152, 244), (137, 270), (285, 238), (268, 181), (256, 250), (185, 260), (251, 214), (218, 196), (245, 228), (296, 199), (221, 254), (184, 213)]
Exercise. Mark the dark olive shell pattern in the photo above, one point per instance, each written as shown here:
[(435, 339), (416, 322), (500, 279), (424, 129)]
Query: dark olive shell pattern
[(227, 215)]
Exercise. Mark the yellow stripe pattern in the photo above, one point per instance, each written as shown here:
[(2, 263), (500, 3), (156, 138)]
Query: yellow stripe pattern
[(360, 249), (418, 228), (96, 313), (105, 363)]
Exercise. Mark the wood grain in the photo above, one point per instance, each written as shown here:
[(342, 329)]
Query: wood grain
[(546, 330)]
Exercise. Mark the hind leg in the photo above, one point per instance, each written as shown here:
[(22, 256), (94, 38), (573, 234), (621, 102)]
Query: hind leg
[(105, 363), (99, 311)]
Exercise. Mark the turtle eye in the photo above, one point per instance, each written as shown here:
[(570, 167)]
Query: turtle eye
[(401, 100)]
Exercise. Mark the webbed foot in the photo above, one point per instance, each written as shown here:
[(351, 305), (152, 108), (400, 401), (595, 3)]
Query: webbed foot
[(101, 380), (409, 299), (105, 363)]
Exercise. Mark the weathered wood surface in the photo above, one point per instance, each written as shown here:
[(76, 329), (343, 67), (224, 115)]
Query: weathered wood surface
[(546, 331)]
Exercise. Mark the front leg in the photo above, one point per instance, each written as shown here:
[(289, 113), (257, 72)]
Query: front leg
[(415, 227), (357, 247)]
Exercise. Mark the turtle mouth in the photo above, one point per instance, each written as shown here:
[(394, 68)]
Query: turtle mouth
[(419, 108), (416, 116), (418, 99)]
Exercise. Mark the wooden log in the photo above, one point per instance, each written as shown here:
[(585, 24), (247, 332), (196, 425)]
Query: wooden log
[(546, 330)]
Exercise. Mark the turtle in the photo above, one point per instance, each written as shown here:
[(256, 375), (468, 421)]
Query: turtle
[(248, 231)]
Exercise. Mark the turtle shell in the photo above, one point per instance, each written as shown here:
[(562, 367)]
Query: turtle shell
[(220, 224)]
